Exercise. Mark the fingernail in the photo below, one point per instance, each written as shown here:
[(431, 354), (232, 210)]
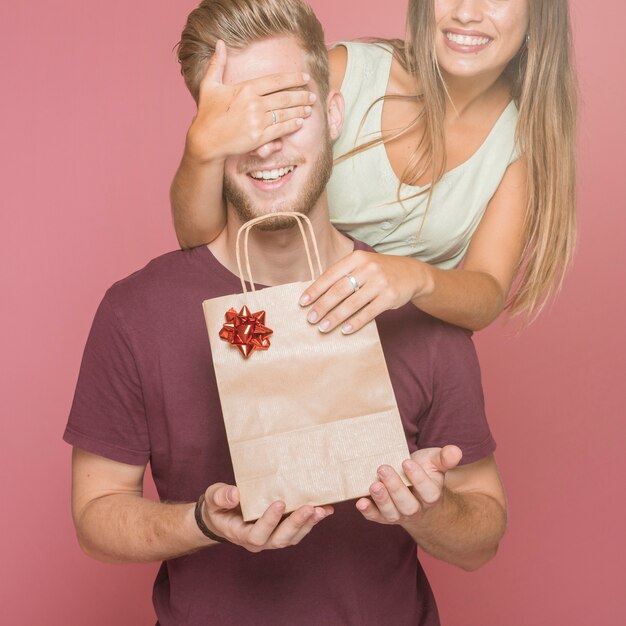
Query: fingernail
[(409, 465), (230, 494), (306, 78), (312, 317), (307, 109), (323, 515), (362, 506), (299, 121), (384, 472), (312, 97), (305, 299), (377, 489), (346, 329), (324, 326)]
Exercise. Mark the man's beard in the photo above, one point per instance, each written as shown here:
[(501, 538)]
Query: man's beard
[(311, 190)]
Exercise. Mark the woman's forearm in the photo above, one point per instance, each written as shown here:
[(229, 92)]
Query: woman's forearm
[(466, 298), (196, 197)]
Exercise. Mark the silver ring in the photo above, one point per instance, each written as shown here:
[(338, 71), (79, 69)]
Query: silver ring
[(354, 282), (274, 118)]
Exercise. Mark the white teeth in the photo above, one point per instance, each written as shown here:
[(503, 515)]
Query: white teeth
[(274, 174), (466, 40)]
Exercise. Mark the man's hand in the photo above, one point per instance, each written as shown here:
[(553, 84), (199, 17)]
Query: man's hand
[(235, 119), (455, 513), (222, 515), (394, 502)]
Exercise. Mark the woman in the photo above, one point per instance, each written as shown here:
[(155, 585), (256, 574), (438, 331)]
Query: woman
[(456, 162)]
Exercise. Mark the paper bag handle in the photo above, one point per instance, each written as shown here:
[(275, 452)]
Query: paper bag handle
[(245, 228)]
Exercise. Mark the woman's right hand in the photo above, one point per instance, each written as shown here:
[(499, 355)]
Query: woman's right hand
[(235, 119)]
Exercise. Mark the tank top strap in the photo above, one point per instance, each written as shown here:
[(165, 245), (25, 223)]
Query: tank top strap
[(364, 84)]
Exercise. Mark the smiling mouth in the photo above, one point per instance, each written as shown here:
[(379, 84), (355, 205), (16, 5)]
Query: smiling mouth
[(272, 175), (467, 40)]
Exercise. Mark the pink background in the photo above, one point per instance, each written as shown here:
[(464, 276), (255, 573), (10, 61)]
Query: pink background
[(92, 125)]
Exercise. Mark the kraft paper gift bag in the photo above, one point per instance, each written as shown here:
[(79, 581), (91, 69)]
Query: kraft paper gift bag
[(309, 416)]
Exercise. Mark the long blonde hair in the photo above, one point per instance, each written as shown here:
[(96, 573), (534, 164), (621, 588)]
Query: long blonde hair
[(543, 86)]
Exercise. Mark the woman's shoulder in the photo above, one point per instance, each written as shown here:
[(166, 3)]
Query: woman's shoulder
[(337, 61), (359, 70), (352, 58)]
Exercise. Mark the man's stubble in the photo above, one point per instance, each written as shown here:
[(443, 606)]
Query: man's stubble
[(312, 189)]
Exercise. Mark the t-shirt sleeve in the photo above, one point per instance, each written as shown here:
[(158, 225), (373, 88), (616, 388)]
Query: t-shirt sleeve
[(456, 414), (108, 416)]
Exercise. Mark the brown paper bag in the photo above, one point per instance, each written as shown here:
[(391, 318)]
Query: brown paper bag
[(311, 418)]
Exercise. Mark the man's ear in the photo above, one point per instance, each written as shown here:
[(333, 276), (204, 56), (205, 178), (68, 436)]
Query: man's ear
[(334, 114)]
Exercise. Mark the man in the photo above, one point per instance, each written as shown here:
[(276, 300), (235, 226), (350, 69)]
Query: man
[(147, 392)]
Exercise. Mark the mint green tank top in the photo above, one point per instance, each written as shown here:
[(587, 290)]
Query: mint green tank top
[(362, 191)]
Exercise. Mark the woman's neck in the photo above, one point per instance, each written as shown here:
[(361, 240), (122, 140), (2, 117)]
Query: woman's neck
[(463, 93), (467, 94)]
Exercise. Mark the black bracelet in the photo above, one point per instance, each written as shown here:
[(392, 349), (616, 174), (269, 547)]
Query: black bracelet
[(202, 526)]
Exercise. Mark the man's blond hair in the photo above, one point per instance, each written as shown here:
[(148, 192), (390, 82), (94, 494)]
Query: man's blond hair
[(239, 23)]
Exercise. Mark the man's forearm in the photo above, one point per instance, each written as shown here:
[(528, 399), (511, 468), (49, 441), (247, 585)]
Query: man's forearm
[(462, 529), (124, 528)]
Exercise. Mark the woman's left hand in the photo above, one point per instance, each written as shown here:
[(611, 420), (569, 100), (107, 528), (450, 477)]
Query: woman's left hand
[(362, 285)]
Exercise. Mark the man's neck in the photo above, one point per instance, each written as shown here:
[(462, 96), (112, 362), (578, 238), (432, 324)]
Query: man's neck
[(278, 257)]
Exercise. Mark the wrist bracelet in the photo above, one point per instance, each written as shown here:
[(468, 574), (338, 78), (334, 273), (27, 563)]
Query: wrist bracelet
[(202, 526)]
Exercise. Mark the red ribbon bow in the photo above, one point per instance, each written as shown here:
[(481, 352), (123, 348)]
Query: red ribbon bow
[(246, 330)]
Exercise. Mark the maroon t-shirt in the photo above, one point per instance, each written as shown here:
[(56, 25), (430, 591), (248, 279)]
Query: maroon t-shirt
[(147, 393)]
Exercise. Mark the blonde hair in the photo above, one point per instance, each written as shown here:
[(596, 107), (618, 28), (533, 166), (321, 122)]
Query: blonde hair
[(543, 86), (238, 23)]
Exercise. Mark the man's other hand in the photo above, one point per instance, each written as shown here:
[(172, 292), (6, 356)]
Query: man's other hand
[(392, 502), (221, 513)]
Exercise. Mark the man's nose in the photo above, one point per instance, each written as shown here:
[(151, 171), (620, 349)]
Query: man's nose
[(267, 149)]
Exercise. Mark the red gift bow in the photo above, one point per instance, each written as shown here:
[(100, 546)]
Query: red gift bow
[(246, 330)]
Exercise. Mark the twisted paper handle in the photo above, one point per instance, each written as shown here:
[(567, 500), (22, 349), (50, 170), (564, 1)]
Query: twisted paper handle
[(245, 229)]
